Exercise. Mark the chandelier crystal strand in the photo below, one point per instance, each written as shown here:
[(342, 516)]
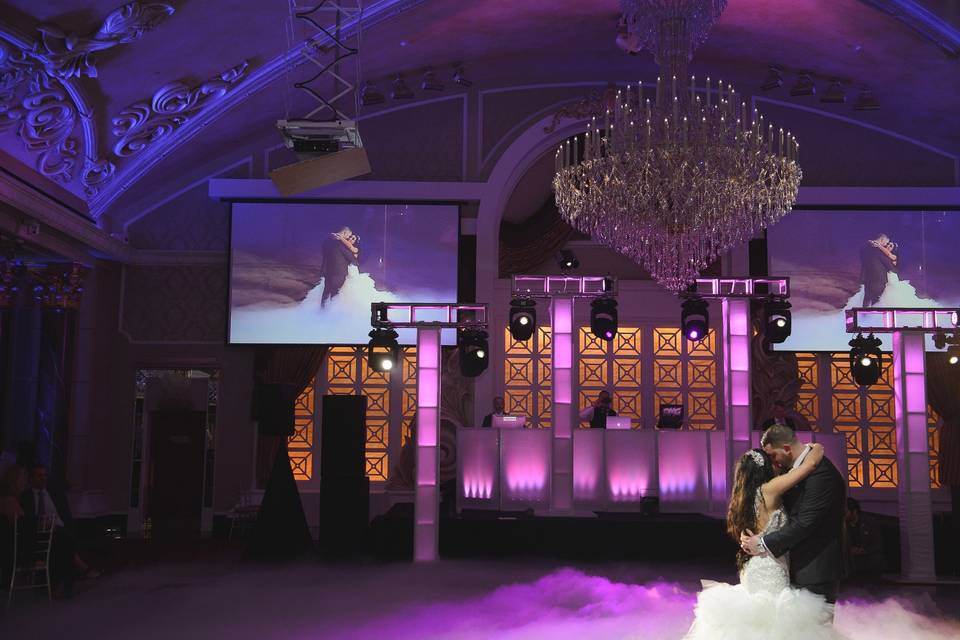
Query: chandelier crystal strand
[(674, 179)]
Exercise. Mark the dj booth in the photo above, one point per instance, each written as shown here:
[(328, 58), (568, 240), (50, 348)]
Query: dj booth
[(614, 470)]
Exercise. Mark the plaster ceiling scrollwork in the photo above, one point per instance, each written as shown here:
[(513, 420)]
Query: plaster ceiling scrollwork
[(67, 55), (144, 123), (40, 97)]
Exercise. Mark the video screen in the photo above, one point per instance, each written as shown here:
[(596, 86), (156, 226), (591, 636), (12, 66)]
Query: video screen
[(307, 273), (838, 260)]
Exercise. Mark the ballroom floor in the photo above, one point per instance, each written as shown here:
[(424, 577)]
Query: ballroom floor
[(211, 593)]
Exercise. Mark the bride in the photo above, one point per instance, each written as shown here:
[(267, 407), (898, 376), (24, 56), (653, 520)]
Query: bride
[(764, 605)]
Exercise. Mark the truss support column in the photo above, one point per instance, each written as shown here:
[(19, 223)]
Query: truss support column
[(913, 457), (736, 379), (426, 532), (561, 363)]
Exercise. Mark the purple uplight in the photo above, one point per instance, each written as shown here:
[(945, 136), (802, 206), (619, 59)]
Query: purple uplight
[(694, 334)]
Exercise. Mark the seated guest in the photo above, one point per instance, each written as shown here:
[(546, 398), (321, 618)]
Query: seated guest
[(864, 544), (497, 411), (599, 411), (12, 483), (37, 503), (779, 417)]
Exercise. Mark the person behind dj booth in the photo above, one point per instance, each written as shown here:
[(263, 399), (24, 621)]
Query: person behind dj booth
[(599, 411)]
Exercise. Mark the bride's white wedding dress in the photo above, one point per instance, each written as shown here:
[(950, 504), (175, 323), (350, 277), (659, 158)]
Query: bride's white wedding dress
[(763, 606)]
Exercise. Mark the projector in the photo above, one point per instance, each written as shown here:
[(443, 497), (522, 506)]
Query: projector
[(309, 138), (328, 150)]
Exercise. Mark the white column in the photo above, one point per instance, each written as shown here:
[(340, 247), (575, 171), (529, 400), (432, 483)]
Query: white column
[(736, 378), (913, 458), (561, 490), (426, 531)]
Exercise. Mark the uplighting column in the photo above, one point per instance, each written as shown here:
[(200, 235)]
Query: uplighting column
[(736, 378), (913, 457), (426, 532), (561, 490)]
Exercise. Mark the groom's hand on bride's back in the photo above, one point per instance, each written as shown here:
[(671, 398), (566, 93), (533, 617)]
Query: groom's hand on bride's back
[(750, 543)]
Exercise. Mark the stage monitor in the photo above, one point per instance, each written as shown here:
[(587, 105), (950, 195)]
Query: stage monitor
[(839, 260), (306, 273), (671, 416)]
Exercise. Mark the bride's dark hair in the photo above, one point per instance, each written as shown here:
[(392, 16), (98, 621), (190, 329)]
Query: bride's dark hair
[(748, 476)]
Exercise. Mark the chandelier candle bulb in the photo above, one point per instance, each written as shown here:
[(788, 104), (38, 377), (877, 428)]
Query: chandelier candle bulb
[(693, 88), (708, 92)]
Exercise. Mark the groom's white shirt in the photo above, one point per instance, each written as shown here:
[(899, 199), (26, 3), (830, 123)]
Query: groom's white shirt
[(796, 463)]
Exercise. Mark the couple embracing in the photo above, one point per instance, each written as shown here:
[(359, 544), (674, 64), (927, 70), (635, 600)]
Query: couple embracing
[(786, 513)]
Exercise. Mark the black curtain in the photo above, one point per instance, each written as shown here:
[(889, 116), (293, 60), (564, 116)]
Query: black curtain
[(281, 375)]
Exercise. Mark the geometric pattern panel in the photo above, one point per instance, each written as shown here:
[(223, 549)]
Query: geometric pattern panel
[(933, 443), (867, 418), (300, 443), (687, 373), (301, 463), (883, 473), (882, 442), (808, 396), (613, 366), (348, 372), (526, 376)]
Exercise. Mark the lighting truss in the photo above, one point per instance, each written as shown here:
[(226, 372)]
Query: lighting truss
[(573, 286), (408, 315), (740, 288), (897, 319)]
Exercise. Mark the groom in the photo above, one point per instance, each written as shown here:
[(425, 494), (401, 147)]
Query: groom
[(816, 508)]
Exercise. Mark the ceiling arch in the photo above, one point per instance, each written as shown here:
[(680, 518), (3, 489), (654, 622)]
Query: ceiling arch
[(94, 95)]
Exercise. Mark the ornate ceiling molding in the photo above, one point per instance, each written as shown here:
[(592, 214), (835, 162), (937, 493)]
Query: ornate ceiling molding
[(68, 55), (145, 123), (141, 163), (41, 98)]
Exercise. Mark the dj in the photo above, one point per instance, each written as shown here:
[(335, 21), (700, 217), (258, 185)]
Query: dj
[(599, 411)]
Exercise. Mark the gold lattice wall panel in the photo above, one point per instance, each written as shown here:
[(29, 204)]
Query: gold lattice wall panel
[(300, 443)]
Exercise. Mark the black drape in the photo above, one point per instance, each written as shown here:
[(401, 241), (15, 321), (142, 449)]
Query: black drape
[(282, 373)]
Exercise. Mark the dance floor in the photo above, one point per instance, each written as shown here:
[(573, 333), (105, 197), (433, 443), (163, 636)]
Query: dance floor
[(511, 600)]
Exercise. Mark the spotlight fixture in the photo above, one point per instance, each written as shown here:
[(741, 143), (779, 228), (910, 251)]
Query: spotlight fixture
[(400, 89), (942, 340), (695, 319), (777, 321), (474, 352), (369, 94), (383, 351), (604, 318), (804, 85), (523, 318), (430, 82), (866, 360), (458, 77), (774, 78), (866, 100), (567, 260), (834, 93)]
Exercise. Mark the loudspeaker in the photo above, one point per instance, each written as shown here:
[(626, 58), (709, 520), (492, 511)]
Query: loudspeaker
[(273, 408), (344, 513), (343, 438)]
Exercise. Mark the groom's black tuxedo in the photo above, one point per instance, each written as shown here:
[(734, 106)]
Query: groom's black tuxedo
[(815, 532)]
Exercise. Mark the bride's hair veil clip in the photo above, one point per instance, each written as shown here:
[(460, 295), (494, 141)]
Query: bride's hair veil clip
[(757, 457)]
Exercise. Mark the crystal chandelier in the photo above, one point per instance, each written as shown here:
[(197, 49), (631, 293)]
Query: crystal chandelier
[(674, 176)]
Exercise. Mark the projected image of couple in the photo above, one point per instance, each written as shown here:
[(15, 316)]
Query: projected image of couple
[(880, 285)]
